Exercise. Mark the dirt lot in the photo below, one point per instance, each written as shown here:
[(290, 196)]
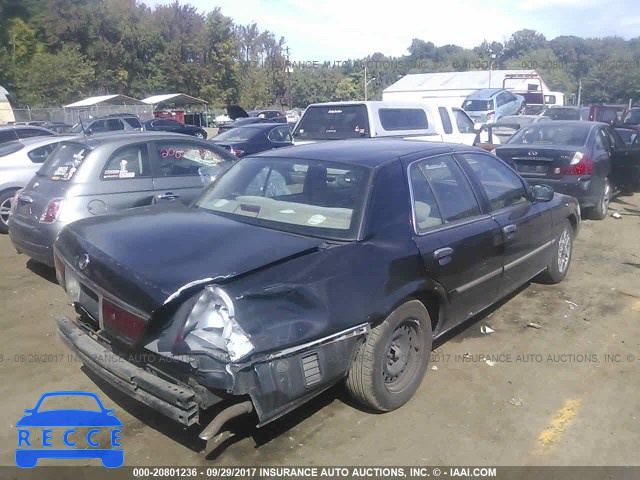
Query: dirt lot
[(563, 394)]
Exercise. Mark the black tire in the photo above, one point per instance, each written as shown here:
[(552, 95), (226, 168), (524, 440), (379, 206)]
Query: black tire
[(382, 377), (599, 212), (5, 204), (559, 265)]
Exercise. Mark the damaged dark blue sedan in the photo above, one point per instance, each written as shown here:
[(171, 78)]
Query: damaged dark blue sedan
[(301, 268)]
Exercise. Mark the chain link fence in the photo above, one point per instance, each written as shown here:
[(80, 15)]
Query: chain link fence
[(73, 115)]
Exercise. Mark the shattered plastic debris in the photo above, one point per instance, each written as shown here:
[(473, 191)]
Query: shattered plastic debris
[(517, 401), (485, 329), (572, 305), (537, 326), (490, 362), (434, 367), (616, 215)]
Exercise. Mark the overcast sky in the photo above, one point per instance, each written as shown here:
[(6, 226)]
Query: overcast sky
[(339, 29)]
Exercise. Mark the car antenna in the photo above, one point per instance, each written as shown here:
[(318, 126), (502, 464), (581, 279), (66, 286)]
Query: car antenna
[(82, 126)]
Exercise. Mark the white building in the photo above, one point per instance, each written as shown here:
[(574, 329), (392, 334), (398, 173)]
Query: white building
[(451, 88), (6, 112)]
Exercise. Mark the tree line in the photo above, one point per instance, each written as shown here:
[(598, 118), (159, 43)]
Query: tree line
[(53, 52)]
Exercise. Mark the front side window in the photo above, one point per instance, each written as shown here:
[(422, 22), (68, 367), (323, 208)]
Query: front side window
[(501, 184), (184, 158), (453, 194), (403, 119), (307, 197), (128, 162), (465, 124)]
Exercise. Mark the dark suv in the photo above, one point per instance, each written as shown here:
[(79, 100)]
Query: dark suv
[(611, 114), (111, 123)]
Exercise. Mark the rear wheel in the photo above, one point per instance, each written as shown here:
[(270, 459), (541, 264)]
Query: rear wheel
[(389, 366), (6, 198), (599, 212), (559, 266), (199, 135)]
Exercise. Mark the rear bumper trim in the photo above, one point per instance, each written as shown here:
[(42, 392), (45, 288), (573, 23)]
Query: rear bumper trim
[(177, 402)]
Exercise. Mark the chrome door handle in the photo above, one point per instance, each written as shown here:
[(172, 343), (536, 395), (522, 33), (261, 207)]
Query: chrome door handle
[(443, 252), (509, 229), (168, 196)]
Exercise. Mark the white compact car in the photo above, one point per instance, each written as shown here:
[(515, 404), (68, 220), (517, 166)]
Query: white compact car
[(19, 161)]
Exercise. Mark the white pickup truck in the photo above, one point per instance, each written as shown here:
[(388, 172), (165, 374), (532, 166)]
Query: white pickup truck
[(344, 120)]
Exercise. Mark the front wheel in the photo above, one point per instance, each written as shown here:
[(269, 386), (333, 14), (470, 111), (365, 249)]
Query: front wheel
[(599, 212), (200, 135), (559, 266), (389, 366)]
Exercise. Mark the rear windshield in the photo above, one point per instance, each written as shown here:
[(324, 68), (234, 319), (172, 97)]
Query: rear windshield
[(403, 119), (549, 134), (307, 197), (333, 122), (478, 105), (238, 134), (64, 161), (562, 113)]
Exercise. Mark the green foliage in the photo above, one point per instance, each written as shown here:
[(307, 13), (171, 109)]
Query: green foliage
[(56, 51)]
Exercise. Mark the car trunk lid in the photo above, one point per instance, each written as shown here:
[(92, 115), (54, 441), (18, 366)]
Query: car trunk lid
[(145, 259), (538, 162)]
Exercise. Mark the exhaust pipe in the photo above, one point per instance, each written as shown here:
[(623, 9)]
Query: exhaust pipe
[(223, 417)]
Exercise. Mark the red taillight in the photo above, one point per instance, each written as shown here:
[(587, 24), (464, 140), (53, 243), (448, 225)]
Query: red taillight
[(124, 324), (52, 211), (583, 166), (235, 152), (59, 264), (490, 115)]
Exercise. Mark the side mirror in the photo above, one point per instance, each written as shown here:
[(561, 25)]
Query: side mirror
[(542, 193)]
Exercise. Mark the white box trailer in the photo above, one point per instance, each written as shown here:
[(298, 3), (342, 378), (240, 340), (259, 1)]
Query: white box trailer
[(6, 111), (451, 88)]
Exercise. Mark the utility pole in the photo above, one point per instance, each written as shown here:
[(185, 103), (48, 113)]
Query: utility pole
[(288, 80), (579, 92)]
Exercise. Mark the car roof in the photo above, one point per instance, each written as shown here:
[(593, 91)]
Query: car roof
[(367, 152), (22, 127), (40, 141), (262, 126), (485, 93), (125, 138)]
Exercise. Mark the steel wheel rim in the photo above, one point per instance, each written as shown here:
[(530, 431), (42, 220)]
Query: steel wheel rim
[(564, 251), (5, 211), (402, 356), (606, 197)]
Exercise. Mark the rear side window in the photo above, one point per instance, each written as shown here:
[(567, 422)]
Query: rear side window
[(128, 162), (133, 122), (280, 134), (446, 121), (64, 161), (10, 147), (40, 155), (453, 194), (114, 124), (403, 119)]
